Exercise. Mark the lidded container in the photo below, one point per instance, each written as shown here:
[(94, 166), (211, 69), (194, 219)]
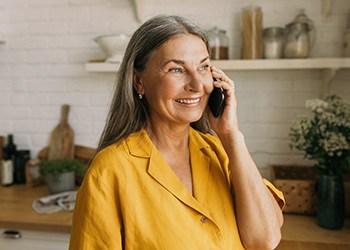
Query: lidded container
[(273, 42), (218, 44), (252, 32), (300, 37)]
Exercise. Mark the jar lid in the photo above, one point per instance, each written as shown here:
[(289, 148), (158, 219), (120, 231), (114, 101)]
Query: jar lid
[(273, 31)]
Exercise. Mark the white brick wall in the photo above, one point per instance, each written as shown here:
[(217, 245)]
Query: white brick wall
[(49, 41)]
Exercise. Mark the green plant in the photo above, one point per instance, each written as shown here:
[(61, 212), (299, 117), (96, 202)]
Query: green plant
[(325, 136), (59, 166)]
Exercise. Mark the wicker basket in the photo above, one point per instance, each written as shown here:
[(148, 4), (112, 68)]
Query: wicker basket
[(298, 184)]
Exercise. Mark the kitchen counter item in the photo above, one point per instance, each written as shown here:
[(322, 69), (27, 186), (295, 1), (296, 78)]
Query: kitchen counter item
[(113, 46), (21, 158), (273, 42), (2, 143), (7, 164), (252, 32), (17, 212), (64, 201), (218, 44), (61, 144)]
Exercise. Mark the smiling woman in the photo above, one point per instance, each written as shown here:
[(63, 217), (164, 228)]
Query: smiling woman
[(176, 83), (161, 179)]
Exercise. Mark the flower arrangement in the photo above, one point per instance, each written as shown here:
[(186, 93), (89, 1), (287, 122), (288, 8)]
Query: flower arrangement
[(325, 136)]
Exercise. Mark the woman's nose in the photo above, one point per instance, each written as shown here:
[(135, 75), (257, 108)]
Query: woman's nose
[(195, 82)]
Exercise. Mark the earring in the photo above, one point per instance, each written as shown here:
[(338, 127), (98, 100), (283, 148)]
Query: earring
[(140, 96)]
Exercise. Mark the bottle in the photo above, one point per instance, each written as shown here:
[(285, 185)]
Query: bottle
[(7, 170), (273, 41), (218, 44), (20, 161), (2, 142), (252, 32)]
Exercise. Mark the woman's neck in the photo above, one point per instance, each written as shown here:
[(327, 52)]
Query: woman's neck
[(168, 138)]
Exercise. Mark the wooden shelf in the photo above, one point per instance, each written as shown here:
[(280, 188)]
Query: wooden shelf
[(329, 66), (261, 64)]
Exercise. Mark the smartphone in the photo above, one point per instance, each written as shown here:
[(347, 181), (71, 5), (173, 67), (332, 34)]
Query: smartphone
[(216, 101)]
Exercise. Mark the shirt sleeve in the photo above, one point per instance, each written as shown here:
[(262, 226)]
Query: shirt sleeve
[(96, 222), (278, 195)]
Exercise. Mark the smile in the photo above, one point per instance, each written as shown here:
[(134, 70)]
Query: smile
[(188, 101)]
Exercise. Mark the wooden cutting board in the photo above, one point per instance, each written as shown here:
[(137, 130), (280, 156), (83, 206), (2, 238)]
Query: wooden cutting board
[(61, 144)]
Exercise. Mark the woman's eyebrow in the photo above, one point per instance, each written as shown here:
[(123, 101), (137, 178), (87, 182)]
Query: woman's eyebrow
[(181, 62)]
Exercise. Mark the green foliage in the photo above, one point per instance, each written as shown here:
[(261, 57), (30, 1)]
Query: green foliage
[(59, 166), (325, 136)]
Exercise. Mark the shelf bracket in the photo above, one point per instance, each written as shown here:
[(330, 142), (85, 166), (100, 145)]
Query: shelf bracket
[(328, 75)]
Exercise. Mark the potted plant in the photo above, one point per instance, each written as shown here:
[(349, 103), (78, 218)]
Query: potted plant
[(325, 138), (59, 174)]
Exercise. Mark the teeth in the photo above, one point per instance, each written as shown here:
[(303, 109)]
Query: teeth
[(187, 101)]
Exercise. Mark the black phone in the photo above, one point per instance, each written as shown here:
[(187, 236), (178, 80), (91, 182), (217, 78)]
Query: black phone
[(216, 101)]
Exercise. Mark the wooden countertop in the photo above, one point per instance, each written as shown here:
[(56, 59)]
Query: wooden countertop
[(16, 210), (16, 213), (302, 233)]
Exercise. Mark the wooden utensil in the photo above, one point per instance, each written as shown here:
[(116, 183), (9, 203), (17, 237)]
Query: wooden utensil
[(61, 144)]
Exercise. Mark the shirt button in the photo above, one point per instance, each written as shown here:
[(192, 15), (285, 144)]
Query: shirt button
[(204, 219)]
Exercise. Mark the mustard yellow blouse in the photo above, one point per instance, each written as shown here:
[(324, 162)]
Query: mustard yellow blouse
[(131, 199)]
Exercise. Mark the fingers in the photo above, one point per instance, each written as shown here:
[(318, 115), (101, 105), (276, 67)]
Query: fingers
[(223, 80)]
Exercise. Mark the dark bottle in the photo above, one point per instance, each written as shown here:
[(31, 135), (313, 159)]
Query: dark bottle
[(7, 170), (21, 158)]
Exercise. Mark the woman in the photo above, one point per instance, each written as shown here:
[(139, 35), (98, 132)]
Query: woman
[(160, 179)]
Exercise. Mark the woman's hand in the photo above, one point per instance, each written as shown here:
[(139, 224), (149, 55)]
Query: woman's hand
[(227, 122)]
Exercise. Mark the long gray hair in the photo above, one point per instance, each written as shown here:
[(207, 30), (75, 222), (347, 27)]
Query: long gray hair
[(129, 114)]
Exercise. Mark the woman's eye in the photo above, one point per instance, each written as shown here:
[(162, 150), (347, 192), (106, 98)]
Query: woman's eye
[(204, 67), (175, 70)]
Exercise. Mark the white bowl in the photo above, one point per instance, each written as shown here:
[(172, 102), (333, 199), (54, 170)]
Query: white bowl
[(113, 45)]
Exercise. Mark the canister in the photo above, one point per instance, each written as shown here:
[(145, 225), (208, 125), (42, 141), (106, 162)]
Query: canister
[(218, 44), (273, 42), (252, 32)]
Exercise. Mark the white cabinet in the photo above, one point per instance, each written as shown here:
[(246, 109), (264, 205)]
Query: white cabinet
[(35, 240)]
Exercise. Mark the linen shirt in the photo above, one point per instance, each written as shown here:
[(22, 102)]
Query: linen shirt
[(131, 199)]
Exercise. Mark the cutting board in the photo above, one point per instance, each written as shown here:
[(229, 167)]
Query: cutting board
[(61, 144)]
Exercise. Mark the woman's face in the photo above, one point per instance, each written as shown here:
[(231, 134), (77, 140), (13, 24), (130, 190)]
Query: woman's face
[(177, 81)]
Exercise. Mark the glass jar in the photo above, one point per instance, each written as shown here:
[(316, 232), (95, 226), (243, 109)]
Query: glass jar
[(273, 41), (251, 32), (297, 41), (300, 37), (218, 44)]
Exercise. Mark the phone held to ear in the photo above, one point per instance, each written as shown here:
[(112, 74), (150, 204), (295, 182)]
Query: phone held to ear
[(216, 101)]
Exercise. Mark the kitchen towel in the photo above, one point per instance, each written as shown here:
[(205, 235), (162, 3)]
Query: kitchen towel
[(64, 201)]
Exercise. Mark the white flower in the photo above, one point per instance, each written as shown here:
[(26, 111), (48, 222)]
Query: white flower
[(316, 105)]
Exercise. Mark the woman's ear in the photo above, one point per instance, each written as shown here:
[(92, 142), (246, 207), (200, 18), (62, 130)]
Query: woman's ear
[(138, 83)]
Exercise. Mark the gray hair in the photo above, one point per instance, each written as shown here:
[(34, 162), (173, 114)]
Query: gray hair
[(129, 114)]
